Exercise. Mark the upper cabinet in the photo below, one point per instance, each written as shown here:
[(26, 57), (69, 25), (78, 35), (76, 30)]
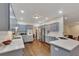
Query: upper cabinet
[(54, 27)]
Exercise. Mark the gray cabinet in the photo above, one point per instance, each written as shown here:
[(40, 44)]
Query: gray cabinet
[(4, 16), (14, 53), (27, 38), (57, 51)]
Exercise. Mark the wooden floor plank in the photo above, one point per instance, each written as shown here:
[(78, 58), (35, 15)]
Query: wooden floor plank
[(37, 48)]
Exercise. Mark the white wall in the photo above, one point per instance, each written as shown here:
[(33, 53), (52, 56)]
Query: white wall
[(72, 30), (67, 30)]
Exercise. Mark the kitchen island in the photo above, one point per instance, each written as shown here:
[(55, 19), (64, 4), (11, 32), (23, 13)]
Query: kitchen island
[(63, 47), (15, 48)]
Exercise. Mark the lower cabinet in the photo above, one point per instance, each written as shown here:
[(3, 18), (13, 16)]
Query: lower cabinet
[(27, 38), (57, 51), (14, 53)]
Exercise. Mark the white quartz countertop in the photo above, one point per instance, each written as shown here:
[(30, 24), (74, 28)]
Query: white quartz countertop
[(15, 45), (54, 34), (66, 44)]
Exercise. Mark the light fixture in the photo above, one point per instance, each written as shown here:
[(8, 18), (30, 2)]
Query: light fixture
[(60, 11), (22, 11), (36, 17)]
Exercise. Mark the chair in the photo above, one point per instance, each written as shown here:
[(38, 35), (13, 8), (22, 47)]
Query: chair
[(70, 36), (78, 38)]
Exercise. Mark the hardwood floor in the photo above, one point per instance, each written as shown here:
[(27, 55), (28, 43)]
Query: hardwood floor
[(37, 48)]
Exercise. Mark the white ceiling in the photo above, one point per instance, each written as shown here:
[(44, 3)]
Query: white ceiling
[(50, 10)]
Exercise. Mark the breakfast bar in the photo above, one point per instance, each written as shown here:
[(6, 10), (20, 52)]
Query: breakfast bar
[(63, 47)]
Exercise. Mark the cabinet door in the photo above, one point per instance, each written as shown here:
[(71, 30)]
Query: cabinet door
[(57, 51)]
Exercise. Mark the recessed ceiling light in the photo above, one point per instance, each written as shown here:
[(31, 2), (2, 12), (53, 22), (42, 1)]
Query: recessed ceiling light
[(36, 17), (60, 11), (22, 11)]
